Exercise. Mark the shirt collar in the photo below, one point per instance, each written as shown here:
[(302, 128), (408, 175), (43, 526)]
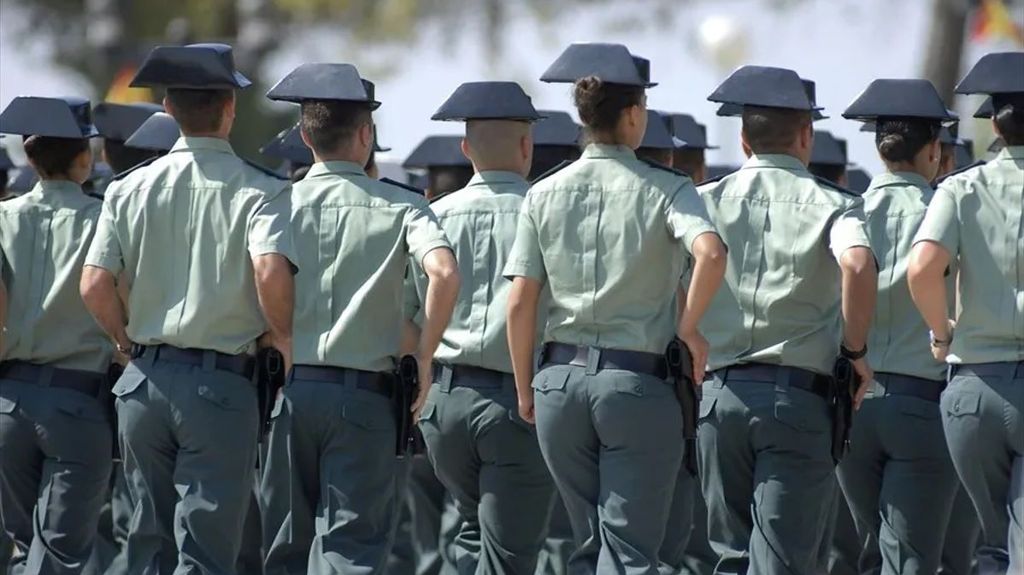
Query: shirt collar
[(1011, 153), (900, 179), (57, 187), (193, 144), (335, 167), (608, 151), (496, 177), (783, 161)]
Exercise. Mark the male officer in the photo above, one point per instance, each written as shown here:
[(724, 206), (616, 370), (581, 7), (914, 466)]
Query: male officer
[(798, 256), (116, 123), (158, 134), (828, 158), (658, 144), (447, 168), (482, 452), (55, 435), (556, 139), (329, 480), (195, 315), (975, 219), (689, 154)]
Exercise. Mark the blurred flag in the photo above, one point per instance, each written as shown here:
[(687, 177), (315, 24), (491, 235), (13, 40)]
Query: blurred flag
[(993, 22), (121, 92)]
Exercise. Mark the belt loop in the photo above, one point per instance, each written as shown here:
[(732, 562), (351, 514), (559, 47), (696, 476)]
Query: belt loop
[(209, 360), (351, 378), (1009, 371), (593, 360), (718, 378), (45, 375), (783, 375), (445, 380), (950, 372)]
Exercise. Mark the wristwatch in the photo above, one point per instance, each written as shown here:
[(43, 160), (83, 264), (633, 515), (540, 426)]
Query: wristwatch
[(940, 342), (850, 354)]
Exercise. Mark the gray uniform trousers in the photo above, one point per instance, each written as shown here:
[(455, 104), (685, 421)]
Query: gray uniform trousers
[(767, 474), (328, 487), (612, 440), (961, 536), (898, 478), (434, 520), (488, 458), (841, 545), (402, 559), (188, 442), (553, 558), (983, 419), (55, 460)]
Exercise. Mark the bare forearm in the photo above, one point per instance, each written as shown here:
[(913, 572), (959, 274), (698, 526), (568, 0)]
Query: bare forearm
[(708, 271), (439, 302), (860, 290), (926, 279), (410, 338), (275, 288), (521, 331), (101, 298)]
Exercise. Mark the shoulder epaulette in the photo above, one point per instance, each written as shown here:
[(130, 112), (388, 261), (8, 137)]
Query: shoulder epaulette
[(439, 196), (263, 170), (142, 164), (717, 178), (663, 167), (561, 165), (406, 187), (95, 195), (835, 187), (958, 172)]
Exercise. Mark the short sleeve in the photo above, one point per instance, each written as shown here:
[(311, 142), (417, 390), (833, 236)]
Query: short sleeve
[(686, 216), (105, 250), (941, 223), (848, 230), (270, 227), (526, 258), (422, 233)]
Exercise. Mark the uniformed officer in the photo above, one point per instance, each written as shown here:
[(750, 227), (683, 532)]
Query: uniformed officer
[(608, 235), (897, 476), (481, 450), (195, 315), (331, 453), (975, 219), (158, 134), (828, 158), (658, 144), (55, 432), (116, 123), (798, 257), (446, 166), (6, 165), (556, 139), (689, 154)]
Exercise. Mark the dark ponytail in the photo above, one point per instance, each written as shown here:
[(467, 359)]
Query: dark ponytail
[(600, 104), (900, 139)]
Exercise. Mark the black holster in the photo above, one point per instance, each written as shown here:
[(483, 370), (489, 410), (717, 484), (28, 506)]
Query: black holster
[(844, 380), (270, 377), (680, 369), (408, 440)]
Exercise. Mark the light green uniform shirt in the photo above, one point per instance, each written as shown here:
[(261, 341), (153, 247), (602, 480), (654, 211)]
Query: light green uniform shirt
[(354, 236), (44, 236), (895, 205), (780, 302), (609, 235), (976, 216), (183, 229), (480, 221)]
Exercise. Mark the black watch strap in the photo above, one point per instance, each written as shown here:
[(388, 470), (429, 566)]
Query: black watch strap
[(850, 354)]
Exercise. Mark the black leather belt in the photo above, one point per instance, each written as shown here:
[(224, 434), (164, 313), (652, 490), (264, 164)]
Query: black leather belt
[(373, 381), (580, 355), (898, 384), (469, 376), (767, 373), (87, 382), (1009, 369), (241, 364)]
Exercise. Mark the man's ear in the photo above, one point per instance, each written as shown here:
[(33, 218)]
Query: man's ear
[(464, 145), (305, 137)]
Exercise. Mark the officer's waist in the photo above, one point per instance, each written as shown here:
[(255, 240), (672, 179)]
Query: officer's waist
[(377, 382), (899, 384), (240, 364), (449, 376), (87, 382), (768, 373), (598, 359), (1004, 369)]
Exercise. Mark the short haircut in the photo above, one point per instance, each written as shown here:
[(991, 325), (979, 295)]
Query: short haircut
[(493, 141), (1009, 118), (331, 124), (689, 160), (901, 139), (656, 155), (121, 157), (52, 157), (773, 130), (447, 179), (600, 104), (830, 172), (198, 111)]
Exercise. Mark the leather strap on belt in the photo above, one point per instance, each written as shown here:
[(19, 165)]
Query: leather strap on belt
[(241, 364), (372, 381), (767, 373), (469, 376), (598, 359), (898, 384), (1004, 369), (87, 382)]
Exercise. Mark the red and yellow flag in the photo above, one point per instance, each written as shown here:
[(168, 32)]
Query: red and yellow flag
[(121, 91), (993, 21)]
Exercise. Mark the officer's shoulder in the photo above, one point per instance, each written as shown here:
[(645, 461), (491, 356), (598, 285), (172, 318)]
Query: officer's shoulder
[(664, 168), (133, 169), (834, 187), (959, 172), (94, 196), (561, 166), (403, 187), (264, 171)]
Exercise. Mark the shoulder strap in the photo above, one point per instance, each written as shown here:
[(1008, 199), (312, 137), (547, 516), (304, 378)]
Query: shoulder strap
[(142, 164), (406, 187), (560, 166)]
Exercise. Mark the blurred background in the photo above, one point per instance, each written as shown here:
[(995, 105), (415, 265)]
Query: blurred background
[(418, 51)]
